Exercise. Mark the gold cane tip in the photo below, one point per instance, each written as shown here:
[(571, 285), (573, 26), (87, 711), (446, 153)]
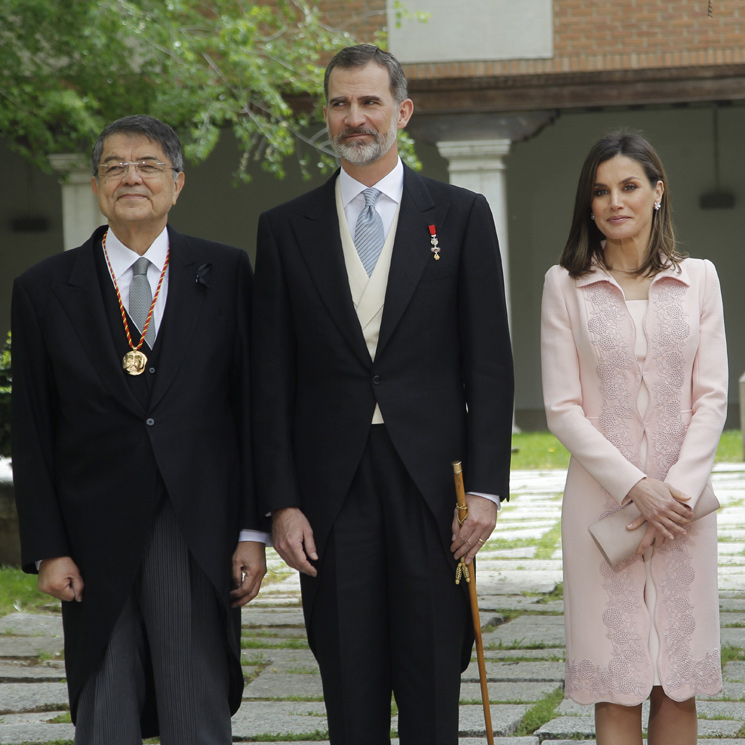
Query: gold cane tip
[(457, 466)]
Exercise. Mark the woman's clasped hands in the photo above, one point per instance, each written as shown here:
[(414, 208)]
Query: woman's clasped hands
[(664, 510)]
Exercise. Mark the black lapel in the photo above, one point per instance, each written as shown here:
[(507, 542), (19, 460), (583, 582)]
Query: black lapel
[(183, 306), (411, 250), (317, 235), (82, 300)]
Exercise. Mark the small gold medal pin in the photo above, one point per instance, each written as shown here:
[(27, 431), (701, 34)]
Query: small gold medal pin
[(433, 240)]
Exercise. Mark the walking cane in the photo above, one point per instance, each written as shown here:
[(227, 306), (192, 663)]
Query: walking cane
[(463, 571)]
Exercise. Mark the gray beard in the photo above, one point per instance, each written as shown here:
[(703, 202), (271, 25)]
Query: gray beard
[(365, 153)]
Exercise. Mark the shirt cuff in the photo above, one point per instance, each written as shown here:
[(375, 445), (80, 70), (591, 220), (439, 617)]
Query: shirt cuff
[(259, 536), (491, 497)]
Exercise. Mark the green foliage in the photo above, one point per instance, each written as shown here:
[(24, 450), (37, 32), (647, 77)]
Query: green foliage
[(5, 384), (67, 69)]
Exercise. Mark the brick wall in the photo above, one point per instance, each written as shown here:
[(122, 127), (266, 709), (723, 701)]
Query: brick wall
[(590, 36)]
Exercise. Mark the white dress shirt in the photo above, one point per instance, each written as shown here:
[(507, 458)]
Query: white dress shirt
[(122, 261), (391, 187)]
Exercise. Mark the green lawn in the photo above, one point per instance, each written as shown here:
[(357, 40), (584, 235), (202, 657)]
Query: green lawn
[(18, 593), (543, 450)]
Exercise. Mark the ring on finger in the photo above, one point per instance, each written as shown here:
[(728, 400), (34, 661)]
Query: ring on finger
[(481, 541)]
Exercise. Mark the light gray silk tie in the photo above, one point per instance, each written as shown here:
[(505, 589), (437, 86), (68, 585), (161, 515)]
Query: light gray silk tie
[(140, 298), (369, 235)]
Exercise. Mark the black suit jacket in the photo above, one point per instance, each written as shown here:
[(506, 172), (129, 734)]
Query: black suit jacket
[(442, 373), (91, 458)]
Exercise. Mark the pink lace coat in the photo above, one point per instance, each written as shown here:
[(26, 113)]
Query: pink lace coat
[(591, 380)]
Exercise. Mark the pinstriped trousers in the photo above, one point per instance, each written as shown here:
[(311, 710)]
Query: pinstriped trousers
[(170, 628)]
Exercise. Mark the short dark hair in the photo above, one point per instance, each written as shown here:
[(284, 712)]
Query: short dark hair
[(360, 56), (584, 244), (150, 127)]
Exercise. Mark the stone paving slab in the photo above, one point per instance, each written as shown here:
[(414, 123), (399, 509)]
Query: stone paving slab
[(289, 660), (504, 719), (282, 686), (494, 602), (17, 697), (515, 671), (269, 618), (15, 671), (735, 637), (731, 691), (528, 552), (512, 692), (554, 654), (734, 670), (14, 734), (31, 624), (506, 583), (280, 718), (528, 631), (29, 646)]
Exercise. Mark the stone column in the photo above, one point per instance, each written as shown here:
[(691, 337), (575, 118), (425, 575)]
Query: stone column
[(479, 165), (80, 213)]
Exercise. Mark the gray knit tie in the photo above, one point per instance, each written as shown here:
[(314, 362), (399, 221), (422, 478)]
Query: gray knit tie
[(140, 298), (369, 235)]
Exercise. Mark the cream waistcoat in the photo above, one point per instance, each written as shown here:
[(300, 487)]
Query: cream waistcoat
[(368, 293)]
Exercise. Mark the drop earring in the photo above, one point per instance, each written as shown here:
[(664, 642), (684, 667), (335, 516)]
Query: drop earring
[(657, 205), (592, 217)]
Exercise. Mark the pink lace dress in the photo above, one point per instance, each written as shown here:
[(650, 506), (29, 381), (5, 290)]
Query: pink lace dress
[(632, 390)]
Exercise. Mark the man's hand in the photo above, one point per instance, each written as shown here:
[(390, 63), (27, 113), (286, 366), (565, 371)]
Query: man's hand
[(249, 568), (60, 578), (292, 537), (476, 529)]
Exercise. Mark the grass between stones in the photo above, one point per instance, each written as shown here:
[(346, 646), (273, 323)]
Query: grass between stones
[(731, 653), (315, 736), (276, 643), (540, 713)]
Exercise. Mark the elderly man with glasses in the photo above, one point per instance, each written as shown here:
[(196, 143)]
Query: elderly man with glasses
[(132, 454)]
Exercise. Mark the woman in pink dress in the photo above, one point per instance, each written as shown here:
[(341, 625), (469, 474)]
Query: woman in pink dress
[(635, 385)]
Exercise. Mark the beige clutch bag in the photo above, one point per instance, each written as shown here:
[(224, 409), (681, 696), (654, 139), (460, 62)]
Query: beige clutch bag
[(616, 543)]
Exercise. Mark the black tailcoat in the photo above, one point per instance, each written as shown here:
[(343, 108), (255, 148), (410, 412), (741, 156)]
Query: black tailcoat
[(91, 457), (442, 373)]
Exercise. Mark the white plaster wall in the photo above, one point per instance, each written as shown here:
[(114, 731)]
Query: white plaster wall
[(472, 30)]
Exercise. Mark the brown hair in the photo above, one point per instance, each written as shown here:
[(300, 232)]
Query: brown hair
[(584, 244), (360, 56)]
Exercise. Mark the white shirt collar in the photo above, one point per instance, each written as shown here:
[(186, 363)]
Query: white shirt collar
[(122, 258), (391, 185)]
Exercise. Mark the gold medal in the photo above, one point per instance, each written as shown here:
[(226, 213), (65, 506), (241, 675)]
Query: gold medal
[(134, 362)]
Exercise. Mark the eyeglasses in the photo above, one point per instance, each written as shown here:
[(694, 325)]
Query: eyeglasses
[(146, 168)]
